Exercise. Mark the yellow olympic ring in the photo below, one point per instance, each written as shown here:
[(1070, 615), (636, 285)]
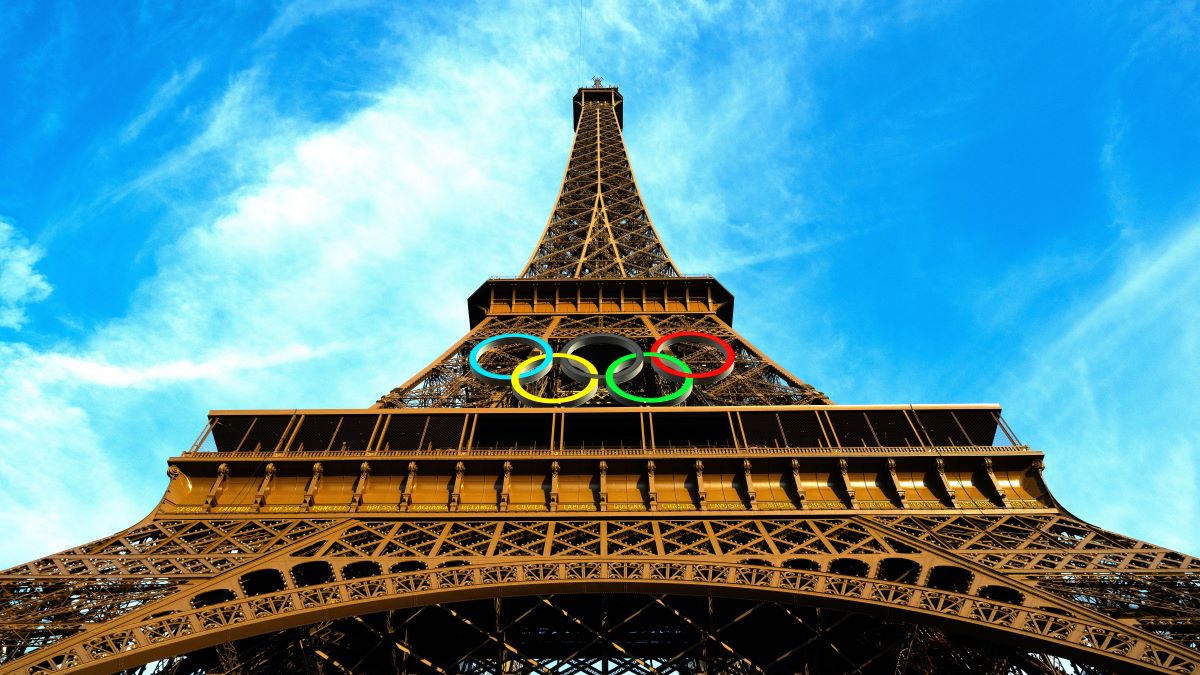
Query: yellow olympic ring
[(579, 396)]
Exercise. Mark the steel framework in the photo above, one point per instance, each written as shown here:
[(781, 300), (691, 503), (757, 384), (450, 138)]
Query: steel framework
[(758, 528)]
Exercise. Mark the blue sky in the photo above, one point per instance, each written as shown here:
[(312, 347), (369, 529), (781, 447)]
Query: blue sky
[(250, 205)]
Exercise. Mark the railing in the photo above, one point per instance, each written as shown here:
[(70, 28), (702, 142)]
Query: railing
[(680, 276), (672, 451), (800, 430)]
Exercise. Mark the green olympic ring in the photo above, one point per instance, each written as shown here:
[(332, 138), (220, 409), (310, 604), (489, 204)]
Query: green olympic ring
[(674, 398)]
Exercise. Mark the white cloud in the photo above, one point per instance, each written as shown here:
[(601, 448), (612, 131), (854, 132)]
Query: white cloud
[(20, 283), (58, 367), (58, 479)]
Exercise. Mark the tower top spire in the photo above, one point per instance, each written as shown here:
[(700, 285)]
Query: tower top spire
[(596, 80), (599, 227)]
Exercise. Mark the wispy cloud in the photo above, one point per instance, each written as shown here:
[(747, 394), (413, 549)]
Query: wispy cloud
[(299, 12), (57, 366), (162, 98), (1029, 282), (20, 282), (243, 118), (1109, 390)]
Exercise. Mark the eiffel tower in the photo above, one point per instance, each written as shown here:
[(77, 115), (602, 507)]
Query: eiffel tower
[(602, 476)]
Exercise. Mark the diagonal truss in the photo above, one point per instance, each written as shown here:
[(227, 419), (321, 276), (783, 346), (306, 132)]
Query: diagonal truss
[(600, 230), (599, 227), (694, 635)]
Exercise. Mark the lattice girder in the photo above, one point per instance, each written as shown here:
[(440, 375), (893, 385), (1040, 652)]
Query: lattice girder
[(844, 562), (590, 635), (599, 226)]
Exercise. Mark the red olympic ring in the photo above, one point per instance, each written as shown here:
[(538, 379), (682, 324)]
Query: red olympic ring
[(715, 374)]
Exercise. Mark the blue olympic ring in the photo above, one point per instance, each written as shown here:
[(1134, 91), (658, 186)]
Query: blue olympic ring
[(487, 345)]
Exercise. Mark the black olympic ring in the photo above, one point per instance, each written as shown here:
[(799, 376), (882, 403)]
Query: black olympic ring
[(626, 372)]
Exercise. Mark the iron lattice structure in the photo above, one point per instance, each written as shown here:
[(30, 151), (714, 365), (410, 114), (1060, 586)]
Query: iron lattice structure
[(757, 529), (600, 267)]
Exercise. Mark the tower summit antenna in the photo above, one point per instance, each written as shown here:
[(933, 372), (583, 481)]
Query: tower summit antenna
[(596, 80)]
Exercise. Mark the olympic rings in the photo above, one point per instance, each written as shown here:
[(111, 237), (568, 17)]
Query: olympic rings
[(715, 375), (622, 370)]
